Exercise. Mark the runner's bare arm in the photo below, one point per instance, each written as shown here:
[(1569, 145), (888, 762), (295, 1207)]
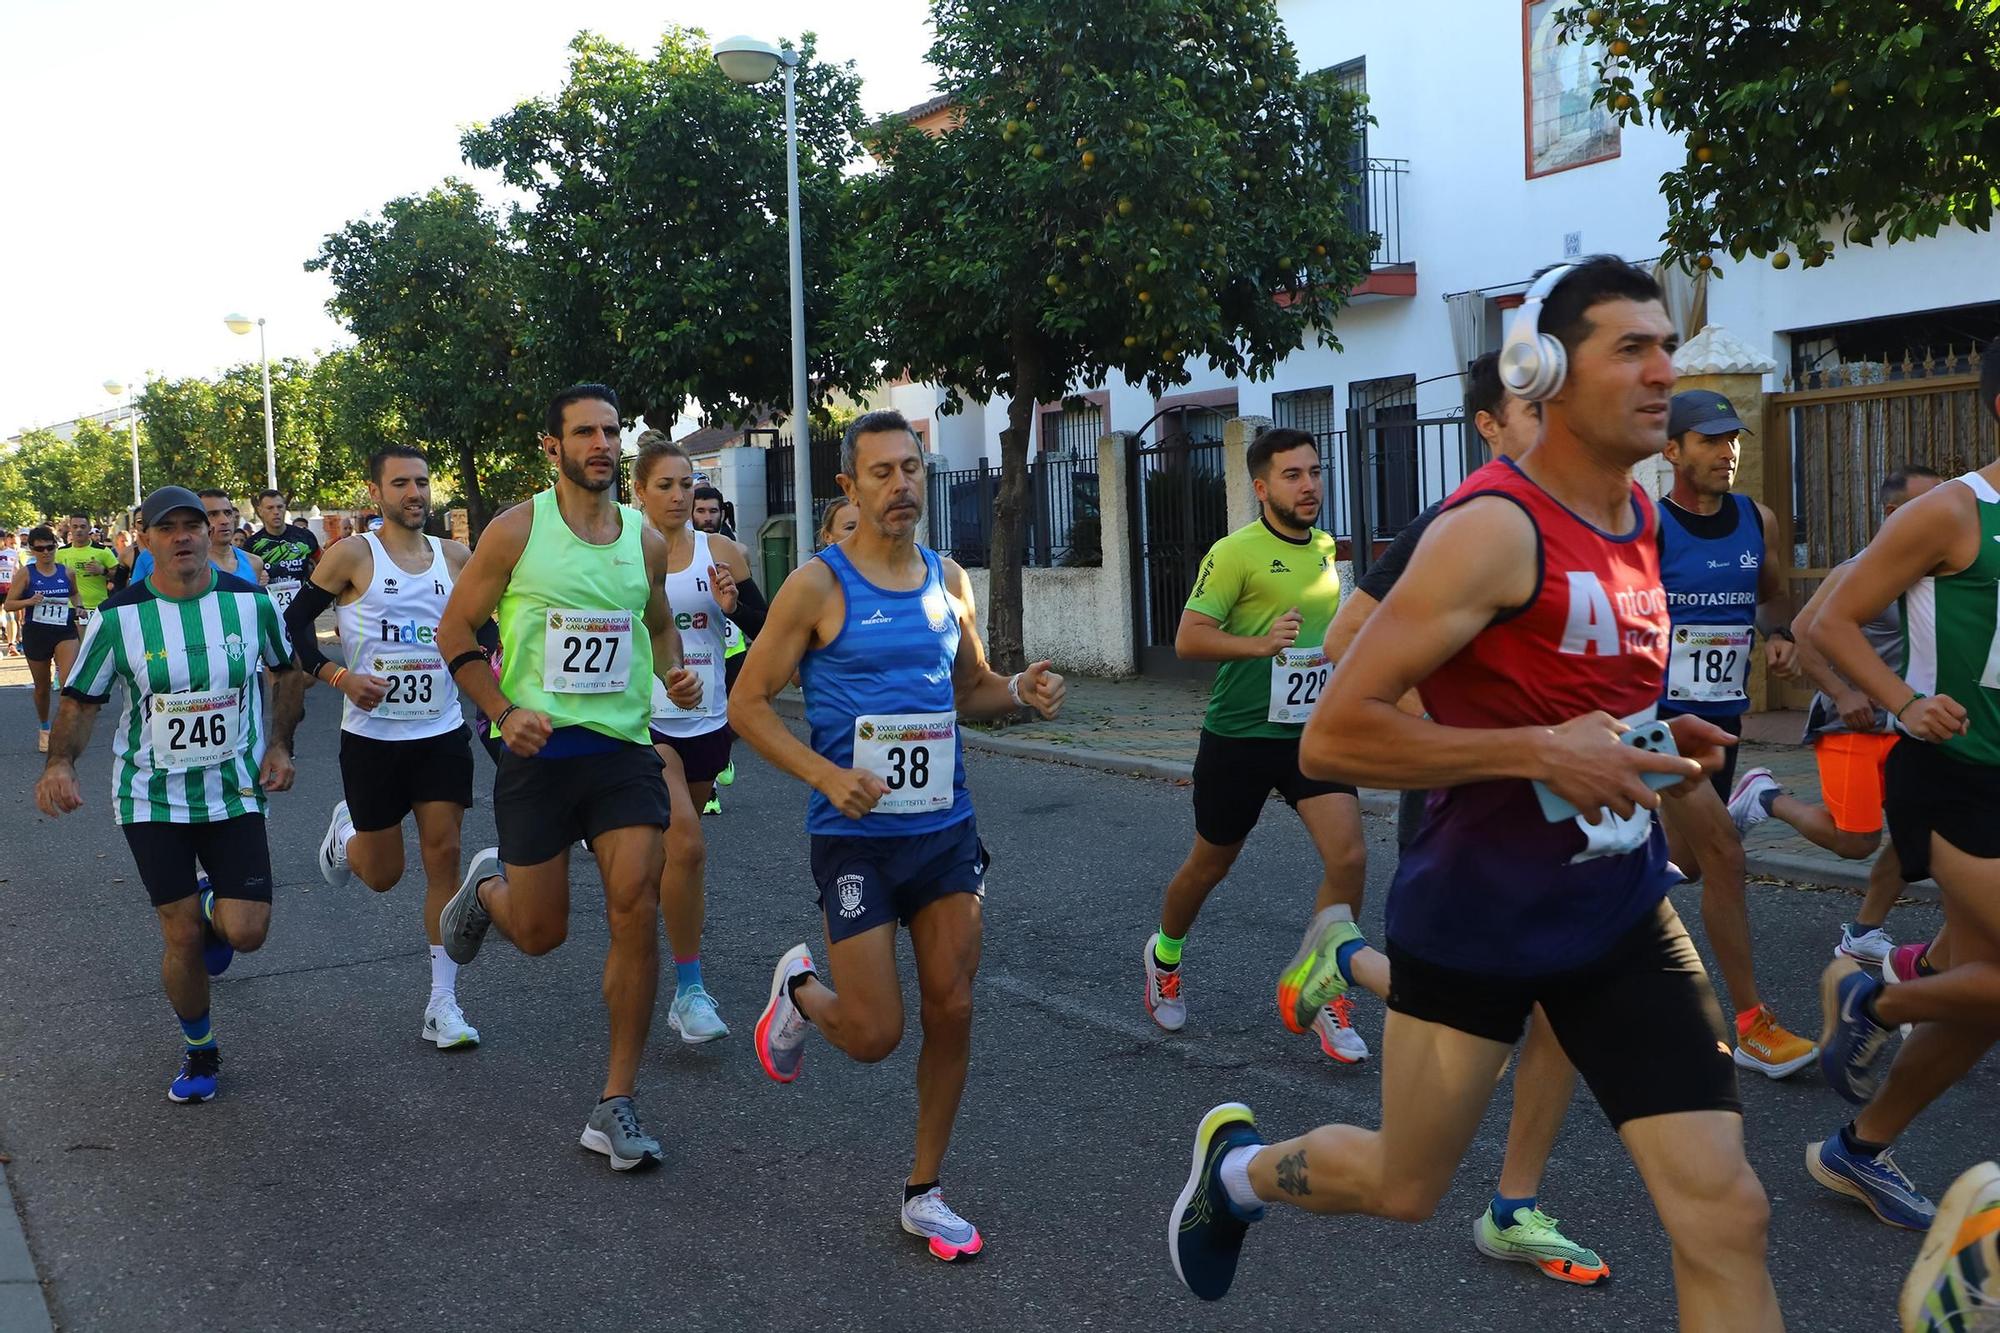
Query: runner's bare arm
[(1854, 705), (474, 595), (978, 690), (455, 556), (683, 686), (1200, 638), (1355, 609), (1774, 601), (57, 792), (19, 598)]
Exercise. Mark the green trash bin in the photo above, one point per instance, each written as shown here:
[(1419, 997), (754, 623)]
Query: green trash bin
[(778, 544)]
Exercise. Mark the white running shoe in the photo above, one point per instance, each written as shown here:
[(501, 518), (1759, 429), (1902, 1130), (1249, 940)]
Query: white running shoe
[(1337, 1037), (42, 741), (1746, 810), (693, 1015), (1870, 946), (950, 1236), (333, 848), (780, 1034), (1163, 992), (445, 1026)]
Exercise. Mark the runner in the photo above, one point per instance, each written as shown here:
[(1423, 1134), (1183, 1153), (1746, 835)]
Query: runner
[(10, 621), (1512, 1226), (1498, 905), (1941, 554), (91, 562), (224, 556), (1954, 1287), (44, 593), (1851, 740), (1263, 591), (573, 574), (191, 760), (1721, 586), (741, 625), (288, 551), (403, 744), (883, 633), (837, 522), (710, 512)]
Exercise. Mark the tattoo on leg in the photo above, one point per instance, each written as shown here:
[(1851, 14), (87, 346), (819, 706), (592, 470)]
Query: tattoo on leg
[(1292, 1174)]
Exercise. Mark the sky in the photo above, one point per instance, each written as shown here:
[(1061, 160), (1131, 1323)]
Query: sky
[(164, 165)]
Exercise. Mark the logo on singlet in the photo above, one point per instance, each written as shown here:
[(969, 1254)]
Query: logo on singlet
[(878, 618), (1592, 628)]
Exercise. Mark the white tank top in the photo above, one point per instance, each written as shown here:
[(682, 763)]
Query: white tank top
[(699, 618), (391, 631)]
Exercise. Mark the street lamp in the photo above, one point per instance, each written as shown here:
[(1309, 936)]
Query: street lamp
[(747, 60), (116, 388), (243, 324)]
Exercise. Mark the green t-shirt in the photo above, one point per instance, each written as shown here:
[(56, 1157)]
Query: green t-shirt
[(1247, 580), (90, 587), (1951, 628)]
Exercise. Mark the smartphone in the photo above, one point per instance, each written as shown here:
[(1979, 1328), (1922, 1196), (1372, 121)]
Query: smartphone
[(1655, 736)]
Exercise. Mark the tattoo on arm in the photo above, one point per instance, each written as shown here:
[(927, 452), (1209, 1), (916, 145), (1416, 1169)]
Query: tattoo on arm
[(1292, 1174)]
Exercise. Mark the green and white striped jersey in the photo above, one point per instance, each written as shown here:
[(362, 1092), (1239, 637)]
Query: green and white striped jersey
[(1951, 624), (191, 735)]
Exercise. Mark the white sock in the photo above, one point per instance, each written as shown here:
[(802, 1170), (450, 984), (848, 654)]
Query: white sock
[(444, 973), (1236, 1176)]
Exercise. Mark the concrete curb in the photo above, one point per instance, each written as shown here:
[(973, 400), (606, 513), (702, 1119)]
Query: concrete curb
[(22, 1307)]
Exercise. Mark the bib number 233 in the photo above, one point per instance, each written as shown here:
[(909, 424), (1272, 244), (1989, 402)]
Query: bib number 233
[(587, 652), (915, 753)]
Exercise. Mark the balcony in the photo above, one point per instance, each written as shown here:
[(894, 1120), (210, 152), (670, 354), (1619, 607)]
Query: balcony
[(1378, 208)]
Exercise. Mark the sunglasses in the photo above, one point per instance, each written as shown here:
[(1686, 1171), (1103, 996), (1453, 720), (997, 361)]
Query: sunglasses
[(41, 548)]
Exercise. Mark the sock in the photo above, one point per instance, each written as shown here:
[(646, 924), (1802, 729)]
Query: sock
[(1858, 927), (687, 972), (1748, 1019), (1343, 957), (1924, 968), (918, 1191), (1504, 1208), (444, 972), (198, 1031), (1236, 1177), (1868, 1007), (1166, 949), (1769, 797), (45, 726), (792, 990), (1857, 1145)]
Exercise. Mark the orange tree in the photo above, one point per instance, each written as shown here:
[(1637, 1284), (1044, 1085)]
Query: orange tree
[(1867, 118), (1137, 187)]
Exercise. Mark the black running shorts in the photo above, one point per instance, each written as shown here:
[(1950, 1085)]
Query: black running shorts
[(233, 852), (542, 806), (703, 756), (1235, 775), (384, 780), (1722, 779), (38, 642), (1641, 1023), (1929, 790)]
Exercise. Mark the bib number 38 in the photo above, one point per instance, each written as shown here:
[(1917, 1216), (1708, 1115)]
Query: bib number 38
[(1298, 678), (915, 754)]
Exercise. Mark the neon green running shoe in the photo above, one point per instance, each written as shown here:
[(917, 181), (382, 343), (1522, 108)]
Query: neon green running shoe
[(727, 777), (1534, 1238), (714, 806), (1312, 980)]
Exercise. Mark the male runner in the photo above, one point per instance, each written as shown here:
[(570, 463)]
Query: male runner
[(1260, 605), (1851, 740), (1941, 554), (1512, 1226), (288, 551), (44, 593), (709, 515), (883, 634), (224, 556), (1722, 586), (1496, 907), (403, 744), (10, 565), (90, 561), (192, 758), (575, 577)]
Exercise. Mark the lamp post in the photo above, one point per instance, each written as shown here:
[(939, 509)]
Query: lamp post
[(748, 61), (242, 324), (116, 388)]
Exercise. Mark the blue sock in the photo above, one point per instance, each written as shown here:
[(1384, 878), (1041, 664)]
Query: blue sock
[(1504, 1208), (1344, 955), (687, 972), (1769, 797), (198, 1031)]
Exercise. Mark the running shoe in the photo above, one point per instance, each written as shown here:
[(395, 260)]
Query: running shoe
[(781, 1029), (613, 1129), (1312, 979), (1905, 962), (200, 1066), (1163, 992), (693, 1015), (216, 953), (445, 1026), (1337, 1037), (42, 741), (1206, 1228), (1772, 1051), (1851, 1043), (727, 777), (1876, 1181), (1954, 1286), (1533, 1237), (1746, 806), (950, 1236), (713, 806), (333, 848), (1872, 947), (463, 923)]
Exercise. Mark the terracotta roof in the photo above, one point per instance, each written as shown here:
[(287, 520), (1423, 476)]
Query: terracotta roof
[(922, 109)]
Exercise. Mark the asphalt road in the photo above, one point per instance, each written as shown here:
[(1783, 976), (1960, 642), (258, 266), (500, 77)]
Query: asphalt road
[(351, 1177)]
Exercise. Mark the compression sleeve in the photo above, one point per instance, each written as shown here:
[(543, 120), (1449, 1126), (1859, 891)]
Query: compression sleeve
[(299, 617), (750, 608)]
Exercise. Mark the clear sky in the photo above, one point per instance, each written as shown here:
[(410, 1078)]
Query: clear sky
[(167, 164)]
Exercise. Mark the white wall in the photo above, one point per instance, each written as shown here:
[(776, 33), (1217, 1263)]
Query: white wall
[(1070, 616)]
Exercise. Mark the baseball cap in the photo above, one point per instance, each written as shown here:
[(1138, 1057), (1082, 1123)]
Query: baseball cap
[(166, 500), (1702, 410)]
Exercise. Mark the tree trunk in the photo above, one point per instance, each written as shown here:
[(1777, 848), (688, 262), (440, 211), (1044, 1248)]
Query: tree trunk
[(468, 491), (1006, 639)]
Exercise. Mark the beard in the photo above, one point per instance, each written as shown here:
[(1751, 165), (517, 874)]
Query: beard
[(579, 474), (1292, 517), (401, 517), (710, 524)]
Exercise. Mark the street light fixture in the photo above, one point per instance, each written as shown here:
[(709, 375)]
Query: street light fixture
[(748, 61), (116, 388), (240, 324)]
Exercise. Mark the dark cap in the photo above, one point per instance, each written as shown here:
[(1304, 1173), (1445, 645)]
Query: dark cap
[(1702, 410), (166, 500)]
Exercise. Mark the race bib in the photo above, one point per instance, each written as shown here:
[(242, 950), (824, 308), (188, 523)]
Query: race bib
[(1298, 678), (50, 613), (196, 729), (418, 686), (1709, 664), (587, 652), (282, 592), (915, 753), (714, 701)]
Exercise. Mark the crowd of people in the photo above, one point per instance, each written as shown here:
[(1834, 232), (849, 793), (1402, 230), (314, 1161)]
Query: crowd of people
[(1539, 705)]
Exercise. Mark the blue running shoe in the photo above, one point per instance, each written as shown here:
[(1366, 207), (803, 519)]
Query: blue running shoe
[(1850, 1042), (196, 1081), (216, 953), (1876, 1181), (1205, 1230)]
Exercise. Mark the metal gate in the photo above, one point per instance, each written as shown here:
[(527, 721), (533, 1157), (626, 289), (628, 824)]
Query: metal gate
[(1176, 492), (1409, 463)]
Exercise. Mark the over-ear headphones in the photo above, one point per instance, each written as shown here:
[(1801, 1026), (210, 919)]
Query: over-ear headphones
[(1532, 363)]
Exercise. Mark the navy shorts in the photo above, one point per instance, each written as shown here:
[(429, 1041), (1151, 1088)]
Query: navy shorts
[(1722, 779), (703, 756), (869, 882)]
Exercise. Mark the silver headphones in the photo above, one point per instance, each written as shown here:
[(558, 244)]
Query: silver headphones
[(1532, 363)]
